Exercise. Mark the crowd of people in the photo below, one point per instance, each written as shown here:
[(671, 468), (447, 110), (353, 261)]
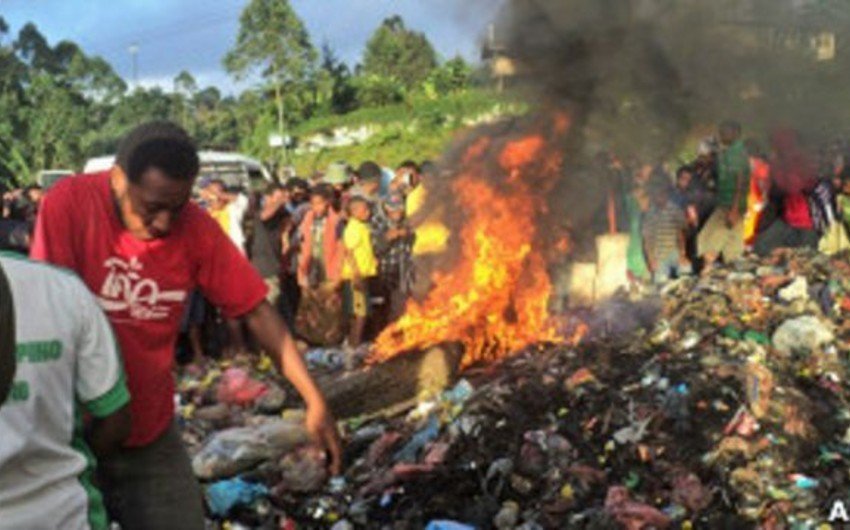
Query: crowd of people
[(17, 216), (335, 252), (733, 198)]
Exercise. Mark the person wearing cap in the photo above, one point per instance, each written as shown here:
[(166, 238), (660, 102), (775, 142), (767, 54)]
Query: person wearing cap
[(140, 246), (664, 234), (338, 177), (69, 402), (395, 261)]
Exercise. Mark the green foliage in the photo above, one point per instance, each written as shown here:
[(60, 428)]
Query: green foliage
[(378, 91), (61, 106), (396, 52), (453, 76)]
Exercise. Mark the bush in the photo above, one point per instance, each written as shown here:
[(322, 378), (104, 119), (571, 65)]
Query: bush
[(378, 91)]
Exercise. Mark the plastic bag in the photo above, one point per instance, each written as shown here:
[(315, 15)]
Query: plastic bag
[(236, 387), (232, 451), (225, 495)]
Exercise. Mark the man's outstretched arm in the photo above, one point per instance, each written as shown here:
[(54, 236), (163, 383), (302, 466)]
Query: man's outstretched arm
[(274, 337)]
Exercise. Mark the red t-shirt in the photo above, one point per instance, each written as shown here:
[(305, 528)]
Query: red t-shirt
[(143, 286)]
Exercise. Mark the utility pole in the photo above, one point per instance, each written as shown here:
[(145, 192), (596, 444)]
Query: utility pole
[(134, 53)]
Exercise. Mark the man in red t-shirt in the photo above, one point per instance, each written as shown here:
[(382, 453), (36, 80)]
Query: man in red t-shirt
[(141, 247)]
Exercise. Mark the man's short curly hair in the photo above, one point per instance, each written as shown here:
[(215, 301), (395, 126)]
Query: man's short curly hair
[(162, 145)]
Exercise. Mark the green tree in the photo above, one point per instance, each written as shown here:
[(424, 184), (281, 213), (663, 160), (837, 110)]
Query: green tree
[(453, 76), (273, 41), (394, 51), (341, 90)]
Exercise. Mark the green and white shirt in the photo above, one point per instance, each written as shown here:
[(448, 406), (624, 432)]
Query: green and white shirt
[(68, 365)]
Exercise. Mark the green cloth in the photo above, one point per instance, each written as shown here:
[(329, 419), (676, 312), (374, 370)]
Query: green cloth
[(635, 259), (844, 208), (732, 161)]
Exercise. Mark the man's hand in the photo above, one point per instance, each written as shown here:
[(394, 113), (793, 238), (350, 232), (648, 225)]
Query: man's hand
[(274, 337), (322, 428), (733, 217)]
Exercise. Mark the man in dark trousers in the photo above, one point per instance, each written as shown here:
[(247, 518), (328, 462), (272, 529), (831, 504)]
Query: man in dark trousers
[(141, 247)]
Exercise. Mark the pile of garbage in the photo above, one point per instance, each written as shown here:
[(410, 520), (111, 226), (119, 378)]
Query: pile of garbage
[(729, 410)]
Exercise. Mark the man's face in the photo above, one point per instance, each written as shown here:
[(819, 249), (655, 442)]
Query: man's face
[(278, 196), (360, 211), (685, 179), (728, 136), (298, 195), (319, 205), (395, 215), (370, 187), (158, 200), (35, 196)]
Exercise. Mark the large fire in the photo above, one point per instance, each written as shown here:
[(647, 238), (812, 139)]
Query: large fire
[(494, 301)]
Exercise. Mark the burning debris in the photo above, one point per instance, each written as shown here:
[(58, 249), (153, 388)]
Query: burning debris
[(495, 298)]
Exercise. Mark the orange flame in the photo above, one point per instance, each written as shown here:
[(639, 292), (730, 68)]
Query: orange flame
[(495, 300)]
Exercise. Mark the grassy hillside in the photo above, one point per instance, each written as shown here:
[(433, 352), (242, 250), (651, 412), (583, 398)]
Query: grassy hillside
[(420, 128)]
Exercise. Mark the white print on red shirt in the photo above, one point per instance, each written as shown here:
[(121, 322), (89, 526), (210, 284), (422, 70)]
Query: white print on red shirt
[(126, 290)]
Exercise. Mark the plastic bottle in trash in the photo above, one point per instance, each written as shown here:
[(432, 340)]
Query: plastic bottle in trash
[(325, 358)]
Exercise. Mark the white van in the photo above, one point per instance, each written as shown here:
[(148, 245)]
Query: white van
[(234, 169), (47, 178)]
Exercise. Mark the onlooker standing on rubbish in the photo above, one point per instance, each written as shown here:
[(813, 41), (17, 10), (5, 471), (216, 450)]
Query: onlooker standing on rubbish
[(793, 176), (758, 196), (296, 207), (267, 243), (68, 367), (138, 243), (396, 261), (664, 227), (229, 210), (723, 233), (359, 266), (637, 202), (319, 318)]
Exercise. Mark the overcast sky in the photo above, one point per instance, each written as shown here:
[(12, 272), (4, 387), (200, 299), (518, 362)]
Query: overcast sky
[(194, 35)]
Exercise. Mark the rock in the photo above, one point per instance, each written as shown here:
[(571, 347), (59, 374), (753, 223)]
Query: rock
[(802, 334)]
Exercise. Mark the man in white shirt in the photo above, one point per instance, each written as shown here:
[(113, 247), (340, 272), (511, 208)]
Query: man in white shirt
[(7, 338), (68, 369)]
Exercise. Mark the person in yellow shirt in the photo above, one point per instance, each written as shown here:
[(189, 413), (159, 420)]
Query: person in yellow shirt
[(358, 266)]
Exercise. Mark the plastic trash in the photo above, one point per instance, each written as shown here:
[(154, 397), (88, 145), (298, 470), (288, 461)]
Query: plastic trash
[(326, 359), (304, 470), (802, 335), (236, 387), (225, 495), (631, 514), (232, 451), (796, 290), (461, 392), (428, 434), (272, 401), (448, 525)]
